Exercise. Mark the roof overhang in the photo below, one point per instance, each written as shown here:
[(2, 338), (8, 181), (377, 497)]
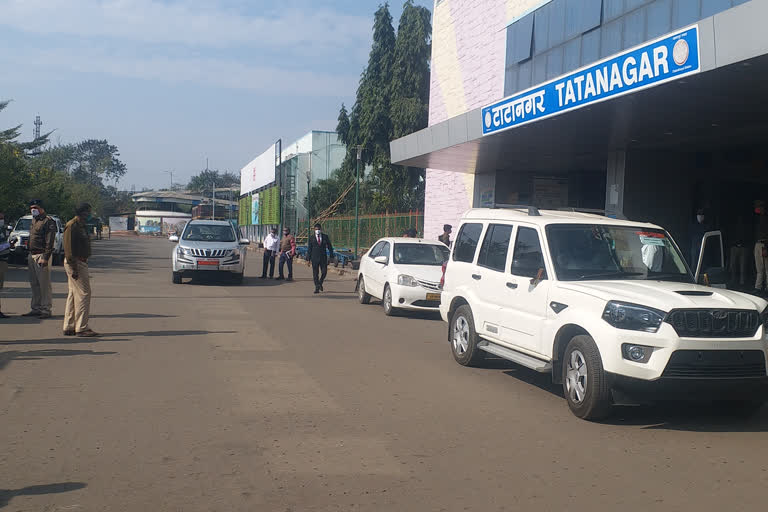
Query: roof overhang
[(723, 105)]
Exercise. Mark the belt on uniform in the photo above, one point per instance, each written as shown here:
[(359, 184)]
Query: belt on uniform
[(35, 253)]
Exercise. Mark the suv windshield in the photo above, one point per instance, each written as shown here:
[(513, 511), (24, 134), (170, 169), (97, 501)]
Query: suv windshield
[(23, 225), (420, 254), (208, 233), (581, 252)]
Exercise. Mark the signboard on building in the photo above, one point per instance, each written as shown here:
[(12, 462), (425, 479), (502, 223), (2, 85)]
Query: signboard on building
[(653, 63), (259, 172)]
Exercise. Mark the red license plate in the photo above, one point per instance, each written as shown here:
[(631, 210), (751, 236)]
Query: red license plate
[(214, 263)]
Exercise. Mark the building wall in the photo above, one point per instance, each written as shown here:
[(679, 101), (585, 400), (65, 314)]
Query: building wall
[(468, 55)]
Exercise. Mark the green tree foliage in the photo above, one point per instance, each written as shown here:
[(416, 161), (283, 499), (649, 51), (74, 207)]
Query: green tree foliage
[(392, 101), (202, 182), (95, 161)]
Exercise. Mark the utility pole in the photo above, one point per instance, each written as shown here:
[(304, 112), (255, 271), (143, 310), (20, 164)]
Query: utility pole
[(357, 197), (171, 174), (38, 124), (213, 199), (309, 204)]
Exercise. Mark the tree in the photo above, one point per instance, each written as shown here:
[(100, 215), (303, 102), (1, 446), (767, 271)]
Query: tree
[(203, 182), (96, 160)]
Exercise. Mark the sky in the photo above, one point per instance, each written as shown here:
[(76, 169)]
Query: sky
[(172, 82)]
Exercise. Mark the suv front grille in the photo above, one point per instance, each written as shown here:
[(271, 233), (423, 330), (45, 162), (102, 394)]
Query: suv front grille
[(714, 323), (715, 364), (210, 253)]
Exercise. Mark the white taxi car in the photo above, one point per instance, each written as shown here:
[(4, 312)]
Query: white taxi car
[(404, 273)]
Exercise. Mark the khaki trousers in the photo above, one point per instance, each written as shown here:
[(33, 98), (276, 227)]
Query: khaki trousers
[(40, 282), (3, 269), (761, 265), (78, 309)]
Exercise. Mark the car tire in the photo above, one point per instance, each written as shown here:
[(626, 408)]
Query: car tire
[(464, 338), (386, 301), (585, 383), (176, 278), (363, 296)]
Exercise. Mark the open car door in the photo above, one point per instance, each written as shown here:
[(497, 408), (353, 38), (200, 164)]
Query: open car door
[(710, 269)]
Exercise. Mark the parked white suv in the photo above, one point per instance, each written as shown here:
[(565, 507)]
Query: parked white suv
[(608, 306), (19, 240), (208, 246)]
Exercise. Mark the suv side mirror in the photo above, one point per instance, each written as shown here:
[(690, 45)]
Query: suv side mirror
[(244, 241), (173, 238), (381, 259)]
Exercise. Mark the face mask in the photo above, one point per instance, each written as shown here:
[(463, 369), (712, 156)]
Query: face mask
[(317, 232), (700, 218), (35, 213), (285, 233)]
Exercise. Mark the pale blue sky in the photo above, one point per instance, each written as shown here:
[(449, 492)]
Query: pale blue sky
[(172, 82)]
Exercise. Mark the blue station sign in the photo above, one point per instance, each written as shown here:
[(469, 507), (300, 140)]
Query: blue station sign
[(664, 59)]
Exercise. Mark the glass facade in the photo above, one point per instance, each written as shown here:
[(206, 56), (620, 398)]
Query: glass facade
[(565, 35)]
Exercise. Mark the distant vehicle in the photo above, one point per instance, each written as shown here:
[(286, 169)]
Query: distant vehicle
[(404, 273), (19, 240), (207, 246), (608, 307)]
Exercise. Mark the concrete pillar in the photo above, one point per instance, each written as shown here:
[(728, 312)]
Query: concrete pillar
[(614, 189)]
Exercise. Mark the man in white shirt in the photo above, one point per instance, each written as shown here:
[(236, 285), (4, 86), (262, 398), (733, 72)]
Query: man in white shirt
[(271, 246)]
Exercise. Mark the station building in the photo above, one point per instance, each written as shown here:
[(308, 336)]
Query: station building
[(646, 108)]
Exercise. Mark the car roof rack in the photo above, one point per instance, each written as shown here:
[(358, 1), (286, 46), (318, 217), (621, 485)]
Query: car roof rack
[(532, 210), (596, 211)]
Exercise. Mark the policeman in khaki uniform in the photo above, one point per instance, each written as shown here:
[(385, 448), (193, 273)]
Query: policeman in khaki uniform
[(77, 250), (42, 237)]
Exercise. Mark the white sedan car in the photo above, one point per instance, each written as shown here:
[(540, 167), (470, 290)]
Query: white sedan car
[(404, 273)]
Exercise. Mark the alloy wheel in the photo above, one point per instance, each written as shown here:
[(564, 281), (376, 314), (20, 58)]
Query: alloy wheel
[(461, 335), (576, 377)]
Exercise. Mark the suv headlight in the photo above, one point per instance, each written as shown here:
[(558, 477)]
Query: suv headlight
[(633, 317), (406, 280), (182, 251)]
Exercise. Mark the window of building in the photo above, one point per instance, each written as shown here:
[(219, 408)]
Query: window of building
[(493, 252), (466, 243)]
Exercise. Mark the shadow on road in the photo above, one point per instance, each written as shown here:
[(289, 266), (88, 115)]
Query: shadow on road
[(133, 315), (168, 333), (56, 341), (680, 416), (32, 355), (6, 495)]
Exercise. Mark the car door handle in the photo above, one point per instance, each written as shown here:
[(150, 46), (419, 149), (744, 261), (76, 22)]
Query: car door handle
[(512, 285), (476, 277)]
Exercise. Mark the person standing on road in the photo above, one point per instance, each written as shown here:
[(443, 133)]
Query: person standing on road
[(316, 253), (77, 250), (271, 244), (446, 236), (287, 251), (761, 248), (5, 251), (42, 238)]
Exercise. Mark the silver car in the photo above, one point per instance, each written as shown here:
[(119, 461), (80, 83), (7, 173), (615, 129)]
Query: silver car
[(207, 246)]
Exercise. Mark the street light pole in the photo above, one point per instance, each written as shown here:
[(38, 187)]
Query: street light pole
[(357, 197), (309, 204), (213, 199)]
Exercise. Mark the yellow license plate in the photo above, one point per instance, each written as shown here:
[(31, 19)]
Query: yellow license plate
[(433, 296)]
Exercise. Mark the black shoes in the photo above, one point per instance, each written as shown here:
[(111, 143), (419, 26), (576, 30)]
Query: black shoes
[(317, 290), (279, 278), (321, 288)]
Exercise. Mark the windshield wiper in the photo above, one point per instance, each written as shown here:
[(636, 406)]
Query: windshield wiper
[(608, 275), (669, 276)]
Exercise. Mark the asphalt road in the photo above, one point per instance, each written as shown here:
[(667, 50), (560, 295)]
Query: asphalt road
[(263, 397)]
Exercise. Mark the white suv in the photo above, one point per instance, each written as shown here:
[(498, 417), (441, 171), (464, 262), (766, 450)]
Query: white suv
[(608, 306), (208, 246)]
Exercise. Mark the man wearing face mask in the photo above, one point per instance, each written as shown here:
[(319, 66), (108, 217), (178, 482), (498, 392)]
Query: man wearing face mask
[(5, 250), (316, 253), (77, 250), (42, 237)]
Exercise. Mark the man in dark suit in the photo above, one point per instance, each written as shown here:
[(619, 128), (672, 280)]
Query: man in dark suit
[(316, 253)]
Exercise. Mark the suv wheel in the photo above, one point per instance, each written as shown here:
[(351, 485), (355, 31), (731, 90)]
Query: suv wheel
[(464, 338), (386, 301), (363, 296), (584, 381), (176, 278)]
